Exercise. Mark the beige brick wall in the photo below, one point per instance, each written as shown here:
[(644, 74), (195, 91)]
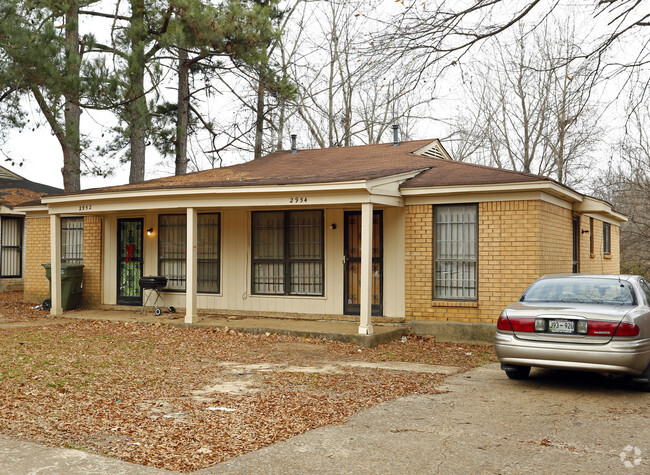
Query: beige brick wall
[(37, 252), (37, 287), (518, 242), (557, 239), (598, 262)]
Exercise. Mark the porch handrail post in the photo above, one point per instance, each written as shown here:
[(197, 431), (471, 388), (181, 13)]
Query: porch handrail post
[(365, 323), (191, 263), (55, 264)]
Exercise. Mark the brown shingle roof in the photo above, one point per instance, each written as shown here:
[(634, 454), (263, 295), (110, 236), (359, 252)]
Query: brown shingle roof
[(17, 196), (332, 165), (328, 165), (450, 173)]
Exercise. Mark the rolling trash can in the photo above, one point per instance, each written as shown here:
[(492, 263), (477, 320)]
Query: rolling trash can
[(71, 280)]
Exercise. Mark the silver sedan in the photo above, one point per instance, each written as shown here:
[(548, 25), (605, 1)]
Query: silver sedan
[(579, 322)]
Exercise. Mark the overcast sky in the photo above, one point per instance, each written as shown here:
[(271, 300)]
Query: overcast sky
[(41, 156)]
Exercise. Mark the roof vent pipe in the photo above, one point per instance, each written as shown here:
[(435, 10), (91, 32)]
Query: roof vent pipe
[(294, 149), (395, 135)]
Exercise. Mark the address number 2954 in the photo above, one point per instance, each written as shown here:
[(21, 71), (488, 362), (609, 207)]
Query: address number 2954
[(298, 199)]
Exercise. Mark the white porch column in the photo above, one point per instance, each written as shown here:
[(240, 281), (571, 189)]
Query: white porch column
[(191, 275), (55, 262), (365, 325)]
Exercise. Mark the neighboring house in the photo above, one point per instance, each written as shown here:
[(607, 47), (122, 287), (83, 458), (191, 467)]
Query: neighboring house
[(15, 191), (393, 230)]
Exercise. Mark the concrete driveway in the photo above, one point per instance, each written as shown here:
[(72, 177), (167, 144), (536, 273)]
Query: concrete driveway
[(485, 423), (553, 423)]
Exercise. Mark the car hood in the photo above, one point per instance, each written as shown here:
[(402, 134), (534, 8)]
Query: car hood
[(613, 313)]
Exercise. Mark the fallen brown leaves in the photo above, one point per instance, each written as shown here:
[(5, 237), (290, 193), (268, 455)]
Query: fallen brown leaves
[(13, 309), (129, 390)]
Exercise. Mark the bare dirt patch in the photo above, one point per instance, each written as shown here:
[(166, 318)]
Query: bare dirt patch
[(154, 394)]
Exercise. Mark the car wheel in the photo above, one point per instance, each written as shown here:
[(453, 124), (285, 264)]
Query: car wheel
[(518, 372), (642, 382)]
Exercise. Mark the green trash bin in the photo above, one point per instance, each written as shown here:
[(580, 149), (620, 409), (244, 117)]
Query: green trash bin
[(71, 280)]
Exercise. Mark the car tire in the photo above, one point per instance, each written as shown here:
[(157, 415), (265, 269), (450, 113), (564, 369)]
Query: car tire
[(518, 372), (642, 382)]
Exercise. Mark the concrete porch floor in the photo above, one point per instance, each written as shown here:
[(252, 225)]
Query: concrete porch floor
[(344, 331)]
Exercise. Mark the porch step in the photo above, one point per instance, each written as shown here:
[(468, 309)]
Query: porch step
[(300, 316), (291, 316)]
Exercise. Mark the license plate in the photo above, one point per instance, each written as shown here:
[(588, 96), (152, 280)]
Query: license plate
[(561, 326)]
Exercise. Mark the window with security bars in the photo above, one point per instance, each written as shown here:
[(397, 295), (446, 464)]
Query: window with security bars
[(172, 251), (11, 247), (287, 252), (72, 240), (455, 252)]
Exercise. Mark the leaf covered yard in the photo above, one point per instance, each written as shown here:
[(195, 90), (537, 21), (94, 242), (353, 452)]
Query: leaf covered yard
[(185, 399)]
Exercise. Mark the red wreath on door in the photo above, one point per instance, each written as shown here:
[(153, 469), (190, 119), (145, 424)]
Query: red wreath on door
[(129, 252)]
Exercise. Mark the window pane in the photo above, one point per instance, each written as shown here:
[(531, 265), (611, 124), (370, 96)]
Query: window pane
[(209, 245), (455, 251), (299, 269), (306, 251), (172, 238), (268, 252), (12, 244), (268, 235), (607, 238), (72, 240)]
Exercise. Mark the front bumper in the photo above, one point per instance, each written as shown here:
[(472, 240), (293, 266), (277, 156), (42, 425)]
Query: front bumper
[(617, 356)]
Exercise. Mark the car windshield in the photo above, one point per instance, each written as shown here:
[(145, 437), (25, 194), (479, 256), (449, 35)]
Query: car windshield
[(581, 290)]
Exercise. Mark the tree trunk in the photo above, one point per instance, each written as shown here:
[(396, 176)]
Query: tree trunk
[(259, 119), (281, 120), (137, 112), (72, 112), (182, 119)]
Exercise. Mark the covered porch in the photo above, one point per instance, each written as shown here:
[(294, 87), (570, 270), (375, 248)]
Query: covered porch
[(348, 261)]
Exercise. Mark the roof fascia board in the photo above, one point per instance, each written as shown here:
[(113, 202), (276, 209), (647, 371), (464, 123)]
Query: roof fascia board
[(598, 207), (31, 209), (285, 200), (232, 190), (488, 197), (546, 186)]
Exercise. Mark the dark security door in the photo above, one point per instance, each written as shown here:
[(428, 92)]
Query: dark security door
[(129, 261), (352, 255)]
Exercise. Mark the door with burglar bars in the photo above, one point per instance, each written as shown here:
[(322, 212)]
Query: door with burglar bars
[(129, 261), (352, 256)]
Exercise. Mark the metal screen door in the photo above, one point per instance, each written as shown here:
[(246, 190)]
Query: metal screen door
[(129, 261), (352, 255)]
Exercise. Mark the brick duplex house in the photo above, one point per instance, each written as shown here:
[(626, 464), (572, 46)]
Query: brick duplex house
[(15, 191), (396, 231)]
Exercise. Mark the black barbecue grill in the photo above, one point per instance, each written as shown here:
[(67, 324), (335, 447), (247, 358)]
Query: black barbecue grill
[(155, 283)]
